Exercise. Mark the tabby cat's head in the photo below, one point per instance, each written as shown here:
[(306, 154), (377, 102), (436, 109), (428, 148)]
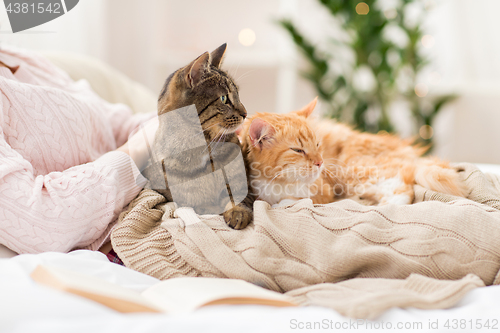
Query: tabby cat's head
[(210, 89), (283, 146)]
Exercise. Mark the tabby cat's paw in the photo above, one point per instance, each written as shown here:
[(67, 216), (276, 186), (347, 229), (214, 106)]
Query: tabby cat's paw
[(238, 217)]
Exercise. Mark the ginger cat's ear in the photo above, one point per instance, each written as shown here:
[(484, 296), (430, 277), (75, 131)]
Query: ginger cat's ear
[(196, 69), (217, 55), (308, 109), (260, 132)]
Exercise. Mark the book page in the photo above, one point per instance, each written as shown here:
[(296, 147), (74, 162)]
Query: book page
[(109, 294), (182, 295)]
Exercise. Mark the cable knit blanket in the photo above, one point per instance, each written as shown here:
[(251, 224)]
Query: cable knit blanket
[(359, 260)]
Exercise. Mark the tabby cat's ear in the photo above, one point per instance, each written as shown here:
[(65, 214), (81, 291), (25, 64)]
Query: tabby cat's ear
[(217, 55), (260, 132), (308, 109), (196, 69)]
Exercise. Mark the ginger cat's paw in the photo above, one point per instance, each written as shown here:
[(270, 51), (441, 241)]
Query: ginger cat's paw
[(389, 191), (238, 217), (397, 199)]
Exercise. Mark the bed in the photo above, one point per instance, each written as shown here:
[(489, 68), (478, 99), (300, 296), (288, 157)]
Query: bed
[(28, 307)]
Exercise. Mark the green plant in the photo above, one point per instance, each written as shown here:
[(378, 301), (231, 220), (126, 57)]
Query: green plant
[(373, 54)]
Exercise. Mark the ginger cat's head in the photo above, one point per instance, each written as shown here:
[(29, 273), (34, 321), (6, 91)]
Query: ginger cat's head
[(282, 149)]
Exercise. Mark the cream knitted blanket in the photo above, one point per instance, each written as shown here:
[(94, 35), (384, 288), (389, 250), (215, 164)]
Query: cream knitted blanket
[(358, 260)]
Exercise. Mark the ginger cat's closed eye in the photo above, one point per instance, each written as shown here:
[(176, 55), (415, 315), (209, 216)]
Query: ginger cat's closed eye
[(293, 156)]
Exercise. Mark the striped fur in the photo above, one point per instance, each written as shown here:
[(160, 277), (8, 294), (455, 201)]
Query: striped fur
[(215, 95), (293, 157)]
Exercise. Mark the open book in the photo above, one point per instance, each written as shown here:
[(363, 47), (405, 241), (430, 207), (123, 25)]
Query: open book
[(178, 295)]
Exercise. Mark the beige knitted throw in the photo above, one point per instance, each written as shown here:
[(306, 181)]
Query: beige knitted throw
[(358, 260)]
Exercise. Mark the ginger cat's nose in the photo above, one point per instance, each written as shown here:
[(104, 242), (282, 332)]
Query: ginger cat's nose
[(318, 163)]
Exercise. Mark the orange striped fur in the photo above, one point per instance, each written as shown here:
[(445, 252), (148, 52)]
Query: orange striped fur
[(293, 156)]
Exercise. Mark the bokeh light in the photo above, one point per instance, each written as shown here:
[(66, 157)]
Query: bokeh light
[(426, 132), (421, 90), (428, 41), (429, 4), (390, 13), (362, 8), (246, 37)]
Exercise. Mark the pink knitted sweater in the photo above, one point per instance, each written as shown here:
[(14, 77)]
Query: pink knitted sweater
[(61, 185)]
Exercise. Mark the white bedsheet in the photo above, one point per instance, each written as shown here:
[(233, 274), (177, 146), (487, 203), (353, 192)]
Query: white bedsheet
[(27, 307)]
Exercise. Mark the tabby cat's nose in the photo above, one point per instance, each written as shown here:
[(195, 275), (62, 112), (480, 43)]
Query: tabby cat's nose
[(242, 112)]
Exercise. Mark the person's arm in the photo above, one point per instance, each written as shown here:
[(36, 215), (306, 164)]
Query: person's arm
[(123, 122), (61, 211), (140, 143)]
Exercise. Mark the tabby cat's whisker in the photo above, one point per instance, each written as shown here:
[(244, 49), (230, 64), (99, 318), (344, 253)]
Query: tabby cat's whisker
[(255, 144), (215, 144), (239, 79), (206, 129), (223, 136), (238, 66), (212, 141)]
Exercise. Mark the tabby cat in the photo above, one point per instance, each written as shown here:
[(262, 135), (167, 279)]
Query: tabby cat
[(194, 156), (293, 156)]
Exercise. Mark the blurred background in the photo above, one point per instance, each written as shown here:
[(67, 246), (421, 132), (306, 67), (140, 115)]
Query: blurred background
[(399, 57)]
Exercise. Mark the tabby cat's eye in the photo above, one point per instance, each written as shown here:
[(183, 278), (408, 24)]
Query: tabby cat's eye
[(297, 150), (223, 99)]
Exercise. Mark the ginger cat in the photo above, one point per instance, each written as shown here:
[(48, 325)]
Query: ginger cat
[(293, 156)]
